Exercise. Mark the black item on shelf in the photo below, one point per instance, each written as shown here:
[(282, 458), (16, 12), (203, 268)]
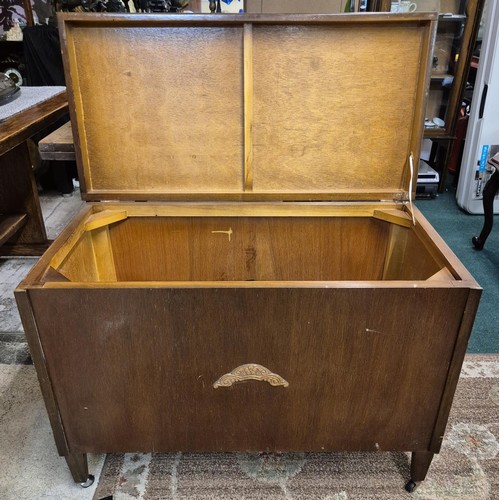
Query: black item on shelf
[(115, 6), (158, 5)]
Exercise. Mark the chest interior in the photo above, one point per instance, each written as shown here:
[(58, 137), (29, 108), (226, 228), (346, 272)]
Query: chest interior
[(277, 243)]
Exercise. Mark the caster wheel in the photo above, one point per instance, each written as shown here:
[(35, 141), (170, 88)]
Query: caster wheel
[(88, 482), (477, 243), (410, 486)]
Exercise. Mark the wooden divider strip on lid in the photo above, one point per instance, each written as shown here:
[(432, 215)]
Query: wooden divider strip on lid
[(248, 83)]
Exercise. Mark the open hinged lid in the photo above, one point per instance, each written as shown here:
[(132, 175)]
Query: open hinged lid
[(247, 107)]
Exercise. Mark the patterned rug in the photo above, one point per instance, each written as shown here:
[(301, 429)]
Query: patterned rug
[(466, 468)]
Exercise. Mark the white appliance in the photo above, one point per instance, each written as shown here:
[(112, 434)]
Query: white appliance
[(482, 139), (427, 181)]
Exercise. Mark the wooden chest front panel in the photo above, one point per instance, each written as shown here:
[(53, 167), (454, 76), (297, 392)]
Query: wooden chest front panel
[(135, 367)]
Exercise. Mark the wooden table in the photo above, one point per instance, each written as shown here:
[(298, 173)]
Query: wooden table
[(58, 145), (22, 230)]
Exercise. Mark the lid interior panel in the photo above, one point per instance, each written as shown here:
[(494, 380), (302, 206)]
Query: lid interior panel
[(162, 108), (329, 111), (242, 107)]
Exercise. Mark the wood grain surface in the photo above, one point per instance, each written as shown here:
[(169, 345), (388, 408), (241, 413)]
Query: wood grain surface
[(22, 126), (134, 317), (58, 145), (222, 249), (80, 261), (330, 114), (366, 369), (27, 314), (180, 89), (9, 225), (269, 242), (254, 108), (174, 249)]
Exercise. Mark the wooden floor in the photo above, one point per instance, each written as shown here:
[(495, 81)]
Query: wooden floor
[(57, 212)]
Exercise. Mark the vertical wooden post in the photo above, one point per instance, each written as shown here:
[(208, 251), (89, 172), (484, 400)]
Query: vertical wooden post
[(248, 105), (28, 11), (78, 466), (420, 463), (396, 248), (195, 6), (103, 254), (39, 361)]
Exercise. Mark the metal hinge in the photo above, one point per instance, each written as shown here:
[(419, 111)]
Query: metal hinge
[(405, 196)]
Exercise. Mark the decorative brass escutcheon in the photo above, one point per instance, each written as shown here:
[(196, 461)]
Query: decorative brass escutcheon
[(250, 371)]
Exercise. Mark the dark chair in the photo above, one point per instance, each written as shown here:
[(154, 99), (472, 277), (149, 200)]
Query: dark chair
[(489, 192)]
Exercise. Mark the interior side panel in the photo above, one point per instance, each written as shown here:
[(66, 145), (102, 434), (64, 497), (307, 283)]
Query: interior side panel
[(241, 249)]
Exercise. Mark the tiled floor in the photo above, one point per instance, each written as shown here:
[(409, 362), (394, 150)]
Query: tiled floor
[(57, 211)]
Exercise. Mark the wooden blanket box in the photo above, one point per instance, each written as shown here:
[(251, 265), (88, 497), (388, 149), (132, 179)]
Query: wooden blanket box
[(249, 273)]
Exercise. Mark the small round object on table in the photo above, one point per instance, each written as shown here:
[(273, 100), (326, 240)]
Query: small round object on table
[(14, 75)]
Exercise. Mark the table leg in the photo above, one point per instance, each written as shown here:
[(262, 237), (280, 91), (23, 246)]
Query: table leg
[(19, 195)]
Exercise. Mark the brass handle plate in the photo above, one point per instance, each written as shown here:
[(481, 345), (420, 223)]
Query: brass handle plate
[(250, 371)]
